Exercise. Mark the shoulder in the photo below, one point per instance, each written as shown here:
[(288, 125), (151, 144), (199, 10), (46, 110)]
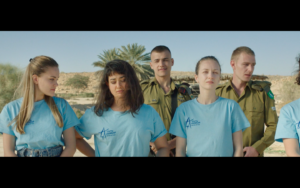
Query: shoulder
[(60, 102), (228, 102), (145, 84), (221, 86), (184, 88), (16, 104), (293, 106), (261, 85)]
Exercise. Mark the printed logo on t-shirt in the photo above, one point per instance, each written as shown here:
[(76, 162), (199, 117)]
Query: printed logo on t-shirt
[(106, 132), (191, 122), (29, 122)]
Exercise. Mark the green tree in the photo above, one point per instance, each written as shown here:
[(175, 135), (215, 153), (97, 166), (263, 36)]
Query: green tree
[(78, 81), (105, 57), (10, 77), (133, 54)]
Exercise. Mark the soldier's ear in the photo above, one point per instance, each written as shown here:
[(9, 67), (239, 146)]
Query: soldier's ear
[(232, 64), (172, 61)]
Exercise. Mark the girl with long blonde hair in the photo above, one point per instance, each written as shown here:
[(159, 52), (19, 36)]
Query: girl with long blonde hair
[(35, 123)]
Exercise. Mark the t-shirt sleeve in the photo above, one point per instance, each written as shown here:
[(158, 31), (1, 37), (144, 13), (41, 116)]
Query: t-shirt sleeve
[(159, 127), (85, 127), (4, 121), (239, 120), (69, 117), (286, 127), (178, 124)]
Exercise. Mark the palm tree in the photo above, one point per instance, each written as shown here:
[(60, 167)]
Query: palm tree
[(140, 62), (108, 55), (133, 54)]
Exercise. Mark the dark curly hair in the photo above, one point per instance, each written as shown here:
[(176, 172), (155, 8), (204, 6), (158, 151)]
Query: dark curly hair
[(298, 77), (134, 97)]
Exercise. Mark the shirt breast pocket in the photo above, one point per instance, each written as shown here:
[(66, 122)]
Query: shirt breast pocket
[(257, 113), (154, 102)]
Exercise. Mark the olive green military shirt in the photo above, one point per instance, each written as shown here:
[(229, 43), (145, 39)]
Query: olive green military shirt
[(258, 104), (155, 96)]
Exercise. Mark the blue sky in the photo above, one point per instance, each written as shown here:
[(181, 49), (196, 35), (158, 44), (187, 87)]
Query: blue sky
[(75, 51)]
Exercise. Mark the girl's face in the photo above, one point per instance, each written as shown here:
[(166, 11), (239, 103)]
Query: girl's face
[(117, 85), (46, 83), (209, 74)]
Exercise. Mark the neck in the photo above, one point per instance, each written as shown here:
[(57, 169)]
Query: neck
[(38, 95), (119, 105), (237, 83), (207, 96), (163, 81)]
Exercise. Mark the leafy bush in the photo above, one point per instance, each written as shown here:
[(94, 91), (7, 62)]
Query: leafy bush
[(78, 81), (10, 77)]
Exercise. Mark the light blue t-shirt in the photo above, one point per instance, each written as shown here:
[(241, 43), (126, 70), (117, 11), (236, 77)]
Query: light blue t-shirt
[(121, 134), (288, 125), (41, 131), (208, 128)]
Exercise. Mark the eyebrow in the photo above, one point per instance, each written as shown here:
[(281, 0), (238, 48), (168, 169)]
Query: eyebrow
[(115, 78), (209, 69), (162, 58), (53, 76)]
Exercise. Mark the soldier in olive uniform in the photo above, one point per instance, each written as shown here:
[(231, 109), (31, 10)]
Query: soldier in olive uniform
[(256, 100), (162, 93)]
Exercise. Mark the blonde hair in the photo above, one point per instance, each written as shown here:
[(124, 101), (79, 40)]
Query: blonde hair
[(37, 66), (236, 53)]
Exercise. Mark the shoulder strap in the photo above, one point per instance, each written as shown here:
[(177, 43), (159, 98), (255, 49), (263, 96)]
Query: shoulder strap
[(261, 85), (174, 102)]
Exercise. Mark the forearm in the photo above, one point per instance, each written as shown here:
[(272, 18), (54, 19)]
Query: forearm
[(180, 153), (9, 154), (68, 152), (265, 141), (163, 152), (85, 148), (238, 152), (172, 143), (293, 154)]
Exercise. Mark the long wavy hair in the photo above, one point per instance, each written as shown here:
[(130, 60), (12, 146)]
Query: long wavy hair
[(134, 96), (37, 66), (298, 77)]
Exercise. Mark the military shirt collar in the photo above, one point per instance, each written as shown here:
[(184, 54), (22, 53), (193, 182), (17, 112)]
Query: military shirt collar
[(229, 84), (154, 81)]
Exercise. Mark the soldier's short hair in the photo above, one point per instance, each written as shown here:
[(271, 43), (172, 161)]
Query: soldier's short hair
[(160, 48), (206, 58), (298, 77), (236, 53)]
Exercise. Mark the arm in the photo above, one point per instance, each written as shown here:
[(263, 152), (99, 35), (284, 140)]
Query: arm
[(180, 147), (83, 146), (9, 143), (237, 138), (291, 146), (162, 147), (270, 120), (70, 145), (172, 143)]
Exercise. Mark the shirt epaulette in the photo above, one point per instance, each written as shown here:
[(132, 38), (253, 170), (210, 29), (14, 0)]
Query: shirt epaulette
[(261, 85)]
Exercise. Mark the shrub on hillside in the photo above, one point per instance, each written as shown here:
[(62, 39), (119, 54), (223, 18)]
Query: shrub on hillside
[(9, 80), (78, 82), (289, 91)]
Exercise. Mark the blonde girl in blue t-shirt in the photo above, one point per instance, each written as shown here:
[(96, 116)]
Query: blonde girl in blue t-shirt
[(34, 124)]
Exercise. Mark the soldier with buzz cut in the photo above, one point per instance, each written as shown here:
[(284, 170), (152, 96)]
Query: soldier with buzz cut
[(256, 100), (162, 93)]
